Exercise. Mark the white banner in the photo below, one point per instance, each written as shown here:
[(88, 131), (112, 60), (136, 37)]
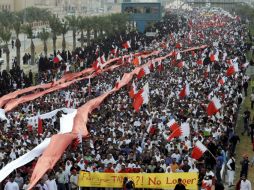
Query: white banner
[(51, 114), (66, 125), (26, 158), (2, 114)]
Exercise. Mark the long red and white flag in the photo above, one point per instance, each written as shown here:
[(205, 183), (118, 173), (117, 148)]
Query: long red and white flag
[(126, 45), (151, 66), (181, 64), (142, 97), (57, 59), (160, 66), (222, 80), (103, 59), (185, 91), (199, 61), (173, 125), (232, 69), (207, 71), (133, 90), (213, 107), (143, 71), (198, 150), (114, 51), (117, 82), (182, 131), (137, 61)]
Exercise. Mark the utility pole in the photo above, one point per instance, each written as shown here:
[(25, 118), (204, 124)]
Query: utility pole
[(25, 23)]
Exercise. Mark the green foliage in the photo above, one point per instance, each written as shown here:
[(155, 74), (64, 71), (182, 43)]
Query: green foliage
[(64, 28), (6, 19), (28, 30), (73, 22), (32, 14), (44, 35), (55, 24), (16, 24), (5, 34)]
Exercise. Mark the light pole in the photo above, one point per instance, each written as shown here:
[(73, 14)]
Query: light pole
[(24, 23)]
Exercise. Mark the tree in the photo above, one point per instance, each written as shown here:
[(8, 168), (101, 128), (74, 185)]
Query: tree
[(87, 24), (32, 14), (44, 36), (6, 18), (73, 24), (28, 30), (17, 28), (119, 22), (97, 24), (55, 26), (64, 30), (5, 35), (106, 20), (81, 27)]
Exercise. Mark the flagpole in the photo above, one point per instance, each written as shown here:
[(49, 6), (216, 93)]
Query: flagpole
[(167, 103), (81, 142), (211, 154)]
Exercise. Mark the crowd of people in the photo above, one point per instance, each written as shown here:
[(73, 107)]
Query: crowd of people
[(122, 140)]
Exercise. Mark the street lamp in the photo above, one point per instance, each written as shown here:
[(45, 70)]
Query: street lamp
[(24, 23)]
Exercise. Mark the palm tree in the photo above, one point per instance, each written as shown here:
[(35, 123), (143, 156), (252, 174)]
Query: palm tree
[(64, 30), (106, 21), (28, 30), (17, 28), (44, 36), (55, 26), (81, 27), (5, 35), (119, 22), (32, 14), (73, 24), (96, 20), (85, 24)]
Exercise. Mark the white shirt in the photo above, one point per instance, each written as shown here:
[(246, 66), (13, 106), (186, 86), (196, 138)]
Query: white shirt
[(51, 184), (74, 180), (131, 165), (11, 186), (229, 162), (252, 97), (245, 185)]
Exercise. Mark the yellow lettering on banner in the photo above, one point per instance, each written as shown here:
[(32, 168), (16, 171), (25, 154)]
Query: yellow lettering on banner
[(141, 180)]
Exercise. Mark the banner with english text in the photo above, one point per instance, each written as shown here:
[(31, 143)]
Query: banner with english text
[(141, 180)]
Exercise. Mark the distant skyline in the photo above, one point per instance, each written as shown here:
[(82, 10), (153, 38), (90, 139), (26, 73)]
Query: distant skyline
[(74, 6), (63, 6)]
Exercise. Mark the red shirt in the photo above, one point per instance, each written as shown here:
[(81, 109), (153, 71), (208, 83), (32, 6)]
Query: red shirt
[(109, 170)]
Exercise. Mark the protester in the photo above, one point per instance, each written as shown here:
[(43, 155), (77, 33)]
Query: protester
[(245, 166), (179, 185), (231, 170), (11, 184), (245, 184)]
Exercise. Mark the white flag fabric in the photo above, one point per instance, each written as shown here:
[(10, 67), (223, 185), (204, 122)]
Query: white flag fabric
[(2, 114), (65, 127), (66, 121), (51, 114), (22, 160)]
